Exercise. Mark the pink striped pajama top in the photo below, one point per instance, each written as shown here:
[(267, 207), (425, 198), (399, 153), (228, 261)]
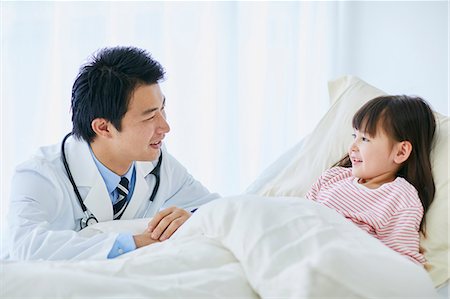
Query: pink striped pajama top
[(391, 213)]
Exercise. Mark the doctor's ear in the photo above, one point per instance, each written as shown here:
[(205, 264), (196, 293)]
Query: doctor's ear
[(101, 127), (403, 149)]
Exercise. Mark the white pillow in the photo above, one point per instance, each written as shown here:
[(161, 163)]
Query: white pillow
[(294, 172)]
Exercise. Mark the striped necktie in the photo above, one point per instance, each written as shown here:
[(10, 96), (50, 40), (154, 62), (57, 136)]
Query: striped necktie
[(122, 202)]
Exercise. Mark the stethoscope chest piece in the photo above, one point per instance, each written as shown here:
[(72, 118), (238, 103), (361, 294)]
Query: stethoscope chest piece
[(91, 220)]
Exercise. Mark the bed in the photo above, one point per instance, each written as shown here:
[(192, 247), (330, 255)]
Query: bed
[(268, 242)]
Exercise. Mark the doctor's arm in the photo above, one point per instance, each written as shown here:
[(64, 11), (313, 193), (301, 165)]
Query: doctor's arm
[(126, 242), (185, 191), (183, 195), (41, 219)]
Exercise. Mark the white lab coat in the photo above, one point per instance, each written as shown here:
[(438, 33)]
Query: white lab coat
[(44, 216)]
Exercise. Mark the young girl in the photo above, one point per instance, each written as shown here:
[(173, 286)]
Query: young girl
[(384, 184)]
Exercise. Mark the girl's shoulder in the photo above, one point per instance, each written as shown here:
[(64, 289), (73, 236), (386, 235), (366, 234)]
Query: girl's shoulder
[(401, 185), (403, 193)]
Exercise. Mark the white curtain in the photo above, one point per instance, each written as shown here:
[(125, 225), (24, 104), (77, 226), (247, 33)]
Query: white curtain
[(245, 80)]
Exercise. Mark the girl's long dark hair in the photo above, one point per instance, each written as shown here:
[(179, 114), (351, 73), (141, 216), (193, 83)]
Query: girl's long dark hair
[(403, 118)]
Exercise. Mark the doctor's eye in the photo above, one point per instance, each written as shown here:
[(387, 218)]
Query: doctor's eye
[(150, 118), (354, 135)]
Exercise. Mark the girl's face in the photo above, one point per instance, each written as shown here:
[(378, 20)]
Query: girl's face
[(374, 158)]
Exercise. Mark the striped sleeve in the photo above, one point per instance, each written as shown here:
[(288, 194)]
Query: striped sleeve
[(401, 233), (325, 178), (314, 190)]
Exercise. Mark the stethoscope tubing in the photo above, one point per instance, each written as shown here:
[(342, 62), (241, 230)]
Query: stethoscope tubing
[(89, 217), (69, 173)]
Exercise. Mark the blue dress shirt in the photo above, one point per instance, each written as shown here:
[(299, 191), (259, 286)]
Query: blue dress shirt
[(124, 241)]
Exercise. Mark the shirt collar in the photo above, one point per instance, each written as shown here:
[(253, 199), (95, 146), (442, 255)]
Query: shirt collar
[(110, 178)]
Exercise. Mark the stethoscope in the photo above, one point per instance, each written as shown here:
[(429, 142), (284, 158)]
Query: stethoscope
[(89, 218)]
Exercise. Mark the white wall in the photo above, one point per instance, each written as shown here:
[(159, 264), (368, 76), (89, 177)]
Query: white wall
[(398, 46)]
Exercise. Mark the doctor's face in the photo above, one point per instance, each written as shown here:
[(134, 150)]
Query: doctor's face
[(144, 125)]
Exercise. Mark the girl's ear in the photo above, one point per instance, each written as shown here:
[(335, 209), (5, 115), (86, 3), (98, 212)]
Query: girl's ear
[(403, 149), (101, 127)]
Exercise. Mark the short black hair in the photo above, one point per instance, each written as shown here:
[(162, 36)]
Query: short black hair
[(104, 86)]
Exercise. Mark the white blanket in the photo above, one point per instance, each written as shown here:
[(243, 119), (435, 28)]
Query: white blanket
[(246, 246)]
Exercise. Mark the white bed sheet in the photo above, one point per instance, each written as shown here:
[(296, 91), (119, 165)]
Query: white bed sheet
[(245, 246)]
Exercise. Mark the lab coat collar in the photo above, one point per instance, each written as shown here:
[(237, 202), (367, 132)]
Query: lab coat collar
[(86, 174), (81, 163), (142, 191)]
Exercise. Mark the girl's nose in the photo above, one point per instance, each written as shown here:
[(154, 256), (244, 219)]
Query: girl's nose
[(353, 147)]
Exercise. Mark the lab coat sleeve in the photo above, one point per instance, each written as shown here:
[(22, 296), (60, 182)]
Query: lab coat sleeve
[(42, 222), (187, 192)]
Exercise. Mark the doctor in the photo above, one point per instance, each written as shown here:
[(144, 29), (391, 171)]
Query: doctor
[(112, 166)]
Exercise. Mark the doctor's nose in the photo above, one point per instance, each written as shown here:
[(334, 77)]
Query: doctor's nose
[(163, 125)]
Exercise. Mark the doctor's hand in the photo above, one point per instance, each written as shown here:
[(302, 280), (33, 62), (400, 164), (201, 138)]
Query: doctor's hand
[(144, 239), (166, 222)]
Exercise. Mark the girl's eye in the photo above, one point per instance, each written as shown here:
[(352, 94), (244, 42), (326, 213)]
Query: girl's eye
[(354, 136), (364, 139)]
